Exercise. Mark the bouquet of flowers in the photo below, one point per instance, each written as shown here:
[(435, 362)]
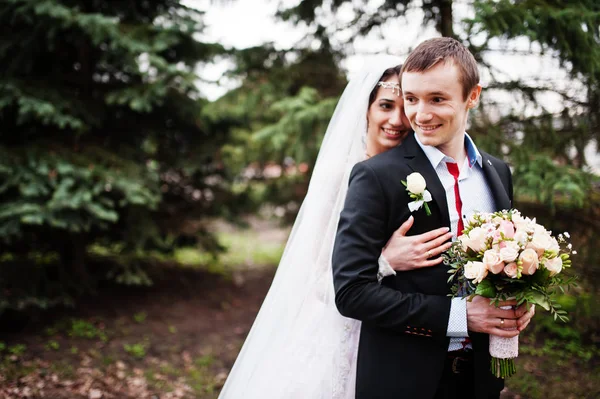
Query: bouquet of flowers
[(502, 256)]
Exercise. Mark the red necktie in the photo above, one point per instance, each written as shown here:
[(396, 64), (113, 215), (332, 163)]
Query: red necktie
[(453, 169)]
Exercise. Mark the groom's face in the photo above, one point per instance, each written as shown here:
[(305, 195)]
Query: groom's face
[(435, 105)]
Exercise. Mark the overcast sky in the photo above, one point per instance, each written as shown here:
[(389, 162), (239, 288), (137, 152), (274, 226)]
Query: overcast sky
[(247, 23)]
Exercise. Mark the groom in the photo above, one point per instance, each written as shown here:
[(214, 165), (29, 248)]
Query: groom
[(416, 342)]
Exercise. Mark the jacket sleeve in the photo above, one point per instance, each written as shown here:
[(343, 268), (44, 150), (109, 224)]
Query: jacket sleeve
[(360, 238)]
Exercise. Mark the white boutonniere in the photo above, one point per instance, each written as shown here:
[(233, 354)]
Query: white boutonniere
[(415, 185)]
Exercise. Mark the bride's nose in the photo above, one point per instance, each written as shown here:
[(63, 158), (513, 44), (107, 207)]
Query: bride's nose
[(396, 119)]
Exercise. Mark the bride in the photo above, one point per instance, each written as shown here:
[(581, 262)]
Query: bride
[(300, 346)]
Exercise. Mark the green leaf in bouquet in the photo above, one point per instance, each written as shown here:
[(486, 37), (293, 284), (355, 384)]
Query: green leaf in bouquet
[(541, 277), (539, 299), (486, 289)]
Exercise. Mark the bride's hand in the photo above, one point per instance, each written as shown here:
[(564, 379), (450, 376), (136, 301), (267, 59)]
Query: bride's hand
[(414, 252)]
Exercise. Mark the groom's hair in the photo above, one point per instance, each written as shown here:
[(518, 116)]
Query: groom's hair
[(445, 49)]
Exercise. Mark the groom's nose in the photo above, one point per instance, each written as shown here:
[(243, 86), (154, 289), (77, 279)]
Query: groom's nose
[(423, 113)]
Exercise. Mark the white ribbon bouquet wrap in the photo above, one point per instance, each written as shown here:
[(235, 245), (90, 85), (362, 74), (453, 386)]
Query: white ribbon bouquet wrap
[(502, 256)]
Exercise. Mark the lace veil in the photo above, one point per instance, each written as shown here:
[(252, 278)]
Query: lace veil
[(300, 346)]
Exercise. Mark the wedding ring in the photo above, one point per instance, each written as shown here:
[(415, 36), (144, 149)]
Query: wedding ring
[(501, 322), (429, 254)]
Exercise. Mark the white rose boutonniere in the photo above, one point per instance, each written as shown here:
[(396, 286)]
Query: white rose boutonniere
[(415, 185)]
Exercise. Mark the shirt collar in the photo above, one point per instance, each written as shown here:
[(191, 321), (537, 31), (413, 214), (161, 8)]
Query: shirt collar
[(435, 156)]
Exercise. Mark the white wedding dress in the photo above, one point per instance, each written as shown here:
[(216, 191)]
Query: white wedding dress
[(300, 347)]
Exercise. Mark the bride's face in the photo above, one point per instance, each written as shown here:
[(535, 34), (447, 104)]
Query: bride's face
[(387, 124)]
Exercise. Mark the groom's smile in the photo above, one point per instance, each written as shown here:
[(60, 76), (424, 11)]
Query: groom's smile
[(436, 106)]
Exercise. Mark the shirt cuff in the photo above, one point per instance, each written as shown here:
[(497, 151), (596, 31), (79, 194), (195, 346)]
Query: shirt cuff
[(457, 323), (384, 269)]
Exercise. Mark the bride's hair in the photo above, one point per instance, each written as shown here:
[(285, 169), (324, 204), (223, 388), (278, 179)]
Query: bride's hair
[(384, 77)]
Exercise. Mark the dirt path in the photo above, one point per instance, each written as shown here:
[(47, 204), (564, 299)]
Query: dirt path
[(179, 339), (176, 340)]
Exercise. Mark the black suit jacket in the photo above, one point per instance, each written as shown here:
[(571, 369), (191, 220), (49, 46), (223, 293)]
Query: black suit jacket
[(403, 341)]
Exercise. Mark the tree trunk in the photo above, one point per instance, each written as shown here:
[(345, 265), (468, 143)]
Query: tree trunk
[(73, 263), (445, 18)]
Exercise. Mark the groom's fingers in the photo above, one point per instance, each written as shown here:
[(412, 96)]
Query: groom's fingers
[(402, 230), (504, 333), (510, 324), (511, 302)]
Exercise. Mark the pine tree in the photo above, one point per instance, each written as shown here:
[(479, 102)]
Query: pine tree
[(567, 29), (570, 31), (99, 116)]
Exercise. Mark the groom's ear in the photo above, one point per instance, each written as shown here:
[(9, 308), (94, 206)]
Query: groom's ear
[(473, 98)]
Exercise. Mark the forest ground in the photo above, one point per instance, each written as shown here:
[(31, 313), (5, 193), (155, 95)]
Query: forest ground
[(180, 337)]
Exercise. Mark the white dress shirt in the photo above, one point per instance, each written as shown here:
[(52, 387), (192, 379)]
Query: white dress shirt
[(476, 196)]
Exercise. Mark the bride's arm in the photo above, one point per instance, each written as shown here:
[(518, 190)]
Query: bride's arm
[(359, 241), (402, 252)]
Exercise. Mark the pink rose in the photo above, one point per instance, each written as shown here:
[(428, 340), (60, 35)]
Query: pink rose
[(493, 261), (554, 265), (507, 228), (511, 270), (529, 261), (496, 236), (475, 271), (509, 251)]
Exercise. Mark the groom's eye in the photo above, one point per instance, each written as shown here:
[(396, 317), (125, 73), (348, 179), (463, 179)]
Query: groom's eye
[(438, 99)]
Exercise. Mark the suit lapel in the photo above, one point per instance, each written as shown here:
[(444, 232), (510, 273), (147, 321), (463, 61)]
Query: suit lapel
[(495, 184), (418, 162)]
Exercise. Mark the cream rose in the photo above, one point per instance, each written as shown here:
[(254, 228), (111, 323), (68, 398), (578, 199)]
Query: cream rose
[(554, 265), (509, 251), (464, 242), (540, 242), (415, 183), (511, 270), (529, 261), (493, 261), (477, 239), (475, 271)]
